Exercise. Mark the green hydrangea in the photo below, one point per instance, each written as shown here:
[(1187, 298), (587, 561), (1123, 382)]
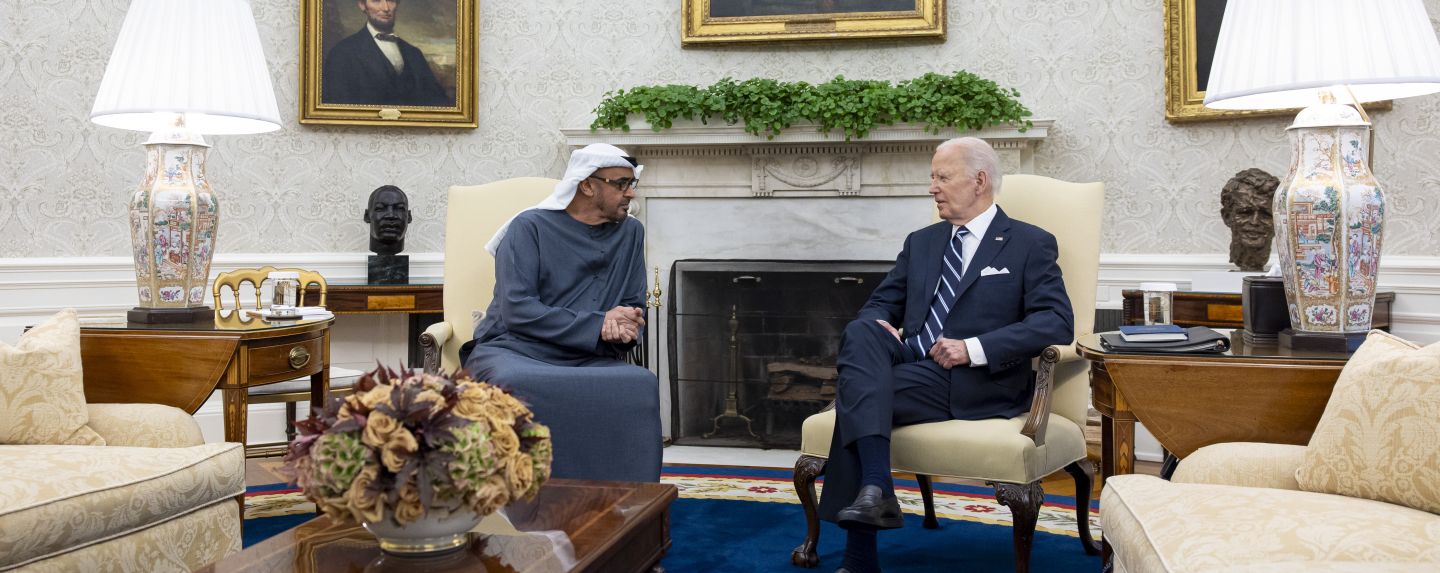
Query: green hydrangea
[(473, 456), (337, 459)]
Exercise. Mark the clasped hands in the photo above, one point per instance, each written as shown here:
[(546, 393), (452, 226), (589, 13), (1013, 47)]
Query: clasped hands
[(622, 324), (947, 352)]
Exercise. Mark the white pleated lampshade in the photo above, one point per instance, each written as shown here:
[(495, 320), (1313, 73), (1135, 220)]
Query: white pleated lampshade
[(1282, 53), (200, 58)]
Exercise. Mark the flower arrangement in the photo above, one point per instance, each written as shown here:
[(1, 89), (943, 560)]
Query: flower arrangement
[(406, 448)]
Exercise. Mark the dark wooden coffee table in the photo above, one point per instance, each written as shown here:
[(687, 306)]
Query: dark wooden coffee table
[(572, 525)]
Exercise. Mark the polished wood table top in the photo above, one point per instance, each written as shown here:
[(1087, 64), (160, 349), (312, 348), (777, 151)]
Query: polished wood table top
[(572, 525), (1251, 393)]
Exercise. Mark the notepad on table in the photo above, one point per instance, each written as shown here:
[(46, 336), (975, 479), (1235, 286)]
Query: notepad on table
[(1152, 333)]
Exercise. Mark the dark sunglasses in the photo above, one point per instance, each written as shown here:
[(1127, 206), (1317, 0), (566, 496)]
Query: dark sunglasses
[(622, 183)]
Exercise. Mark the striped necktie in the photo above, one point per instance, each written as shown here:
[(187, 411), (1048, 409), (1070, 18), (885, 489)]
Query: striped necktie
[(945, 295)]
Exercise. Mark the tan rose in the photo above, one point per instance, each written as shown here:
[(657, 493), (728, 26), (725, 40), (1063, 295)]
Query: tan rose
[(376, 396), (437, 400), (503, 439), (490, 496), (407, 505), (519, 473), (471, 405), (378, 428), (364, 504), (398, 449)]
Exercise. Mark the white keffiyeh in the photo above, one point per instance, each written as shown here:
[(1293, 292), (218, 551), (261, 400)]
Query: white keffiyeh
[(583, 163)]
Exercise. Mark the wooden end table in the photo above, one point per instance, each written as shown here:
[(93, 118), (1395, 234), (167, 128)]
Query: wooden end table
[(1251, 393), (572, 525), (180, 365), (421, 300)]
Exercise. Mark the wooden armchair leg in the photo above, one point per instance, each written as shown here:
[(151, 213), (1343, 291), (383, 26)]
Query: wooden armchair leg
[(1084, 473), (928, 494), (807, 468), (1024, 502)]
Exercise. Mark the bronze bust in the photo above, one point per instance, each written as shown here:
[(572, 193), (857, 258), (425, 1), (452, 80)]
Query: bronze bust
[(388, 214), (1246, 206)]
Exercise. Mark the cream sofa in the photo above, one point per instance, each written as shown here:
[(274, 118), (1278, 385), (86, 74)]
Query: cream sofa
[(154, 498), (1237, 507), (1362, 495)]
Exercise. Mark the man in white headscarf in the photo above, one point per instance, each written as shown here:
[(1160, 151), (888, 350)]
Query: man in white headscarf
[(567, 307)]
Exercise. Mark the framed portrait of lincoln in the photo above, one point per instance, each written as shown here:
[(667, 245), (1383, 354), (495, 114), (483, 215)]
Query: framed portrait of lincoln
[(388, 62)]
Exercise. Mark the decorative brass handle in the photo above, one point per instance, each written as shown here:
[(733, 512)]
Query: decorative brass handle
[(299, 357), (856, 280)]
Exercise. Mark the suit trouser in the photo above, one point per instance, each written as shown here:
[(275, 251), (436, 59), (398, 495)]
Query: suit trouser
[(882, 385)]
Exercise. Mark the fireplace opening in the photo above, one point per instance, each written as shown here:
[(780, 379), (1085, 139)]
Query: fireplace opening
[(752, 345)]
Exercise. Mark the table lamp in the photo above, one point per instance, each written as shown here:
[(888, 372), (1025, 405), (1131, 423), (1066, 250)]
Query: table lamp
[(182, 68), (1329, 210)]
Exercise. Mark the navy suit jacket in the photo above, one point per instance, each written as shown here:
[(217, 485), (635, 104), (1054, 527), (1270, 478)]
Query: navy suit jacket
[(1015, 315), (357, 72)]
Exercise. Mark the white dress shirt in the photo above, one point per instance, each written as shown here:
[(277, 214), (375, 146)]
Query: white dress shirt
[(389, 48), (969, 244)]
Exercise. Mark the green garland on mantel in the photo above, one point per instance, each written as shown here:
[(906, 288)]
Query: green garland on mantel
[(962, 100)]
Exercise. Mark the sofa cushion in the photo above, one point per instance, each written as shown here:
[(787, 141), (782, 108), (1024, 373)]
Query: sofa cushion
[(1155, 525), (42, 392), (979, 449), (54, 499), (1379, 437)]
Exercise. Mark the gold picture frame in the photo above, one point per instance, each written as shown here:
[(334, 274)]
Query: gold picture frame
[(429, 80), (1191, 29), (726, 21)]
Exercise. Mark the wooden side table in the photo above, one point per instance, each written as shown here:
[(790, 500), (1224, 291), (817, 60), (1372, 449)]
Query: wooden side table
[(182, 364), (422, 301), (1257, 393), (1223, 310)]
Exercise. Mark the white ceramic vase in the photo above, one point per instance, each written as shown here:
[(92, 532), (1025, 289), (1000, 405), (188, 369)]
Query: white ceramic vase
[(429, 534)]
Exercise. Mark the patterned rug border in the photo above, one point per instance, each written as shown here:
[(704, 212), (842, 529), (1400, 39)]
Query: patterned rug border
[(952, 501)]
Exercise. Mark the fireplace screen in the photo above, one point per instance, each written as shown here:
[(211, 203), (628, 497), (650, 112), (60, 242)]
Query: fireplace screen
[(752, 345)]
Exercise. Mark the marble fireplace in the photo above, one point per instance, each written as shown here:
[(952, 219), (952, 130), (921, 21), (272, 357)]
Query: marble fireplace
[(714, 193)]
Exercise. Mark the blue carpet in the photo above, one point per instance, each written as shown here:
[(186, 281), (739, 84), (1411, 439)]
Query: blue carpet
[(728, 535)]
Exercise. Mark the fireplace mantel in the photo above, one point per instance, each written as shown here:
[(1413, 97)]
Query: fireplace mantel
[(892, 160)]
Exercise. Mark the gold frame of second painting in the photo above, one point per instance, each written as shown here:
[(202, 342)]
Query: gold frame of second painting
[(1184, 100), (698, 28), (313, 111)]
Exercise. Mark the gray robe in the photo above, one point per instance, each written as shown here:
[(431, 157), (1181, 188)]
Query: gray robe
[(554, 279)]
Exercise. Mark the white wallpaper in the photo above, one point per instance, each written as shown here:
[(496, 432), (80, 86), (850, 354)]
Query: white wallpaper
[(1095, 66)]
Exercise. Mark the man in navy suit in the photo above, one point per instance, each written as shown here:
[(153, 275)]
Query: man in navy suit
[(376, 67), (977, 295)]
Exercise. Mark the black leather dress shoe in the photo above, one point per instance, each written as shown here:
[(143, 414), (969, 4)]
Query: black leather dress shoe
[(871, 509)]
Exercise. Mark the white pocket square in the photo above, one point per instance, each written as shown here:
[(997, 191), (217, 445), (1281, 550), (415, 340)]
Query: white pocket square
[(988, 271)]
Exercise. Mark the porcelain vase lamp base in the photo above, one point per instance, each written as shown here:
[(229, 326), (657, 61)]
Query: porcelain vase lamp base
[(173, 219), (1329, 221)]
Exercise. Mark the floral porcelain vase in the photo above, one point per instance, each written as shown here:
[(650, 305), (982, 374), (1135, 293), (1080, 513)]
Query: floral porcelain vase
[(1328, 223)]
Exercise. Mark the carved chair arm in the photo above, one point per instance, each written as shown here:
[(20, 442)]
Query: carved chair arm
[(1039, 418), (432, 343)]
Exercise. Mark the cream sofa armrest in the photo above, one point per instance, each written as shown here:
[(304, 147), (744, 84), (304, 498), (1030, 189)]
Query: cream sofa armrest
[(432, 343), (1244, 464), (144, 425)]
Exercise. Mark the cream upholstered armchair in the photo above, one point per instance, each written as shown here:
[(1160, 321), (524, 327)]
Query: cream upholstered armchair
[(472, 216), (1012, 455)]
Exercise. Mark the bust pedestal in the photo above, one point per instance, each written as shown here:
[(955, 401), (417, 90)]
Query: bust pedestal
[(389, 269)]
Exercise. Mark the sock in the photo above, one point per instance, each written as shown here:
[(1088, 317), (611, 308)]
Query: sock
[(861, 553), (874, 454)]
